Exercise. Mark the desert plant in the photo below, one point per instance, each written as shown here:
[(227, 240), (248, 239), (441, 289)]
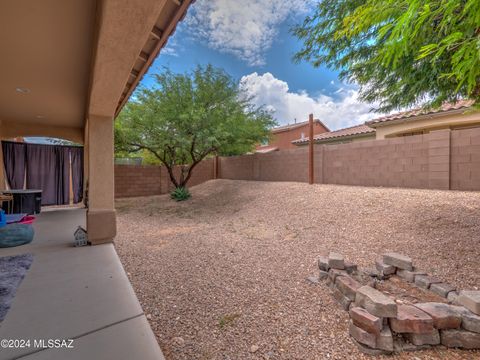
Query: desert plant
[(180, 194)]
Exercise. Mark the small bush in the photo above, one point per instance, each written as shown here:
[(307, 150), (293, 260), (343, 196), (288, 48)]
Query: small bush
[(180, 194)]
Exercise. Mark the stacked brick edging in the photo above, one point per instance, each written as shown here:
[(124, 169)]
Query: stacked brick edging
[(442, 159), (382, 325)]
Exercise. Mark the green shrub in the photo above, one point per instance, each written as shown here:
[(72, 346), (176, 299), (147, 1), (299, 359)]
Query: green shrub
[(180, 194)]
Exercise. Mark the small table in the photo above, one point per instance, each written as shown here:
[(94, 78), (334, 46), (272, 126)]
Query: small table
[(26, 201)]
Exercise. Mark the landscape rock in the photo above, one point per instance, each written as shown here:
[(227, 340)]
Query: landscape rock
[(460, 338), (350, 267), (254, 348), (452, 297), (431, 338), (444, 316), (375, 302), (178, 341), (312, 279), (442, 289), (362, 336), (333, 273), (398, 260), (470, 299), (470, 321), (322, 275), (409, 275), (363, 319), (348, 286), (342, 299), (368, 350), (385, 339), (385, 269), (400, 345), (323, 263), (336, 261), (411, 320), (424, 281)]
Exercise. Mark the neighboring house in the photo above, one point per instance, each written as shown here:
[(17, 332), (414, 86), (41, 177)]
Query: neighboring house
[(346, 135), (413, 122), (460, 115), (283, 136)]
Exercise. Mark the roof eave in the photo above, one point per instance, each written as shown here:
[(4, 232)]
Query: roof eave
[(332, 139), (375, 125)]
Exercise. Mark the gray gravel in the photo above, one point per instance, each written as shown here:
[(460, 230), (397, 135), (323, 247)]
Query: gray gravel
[(222, 276)]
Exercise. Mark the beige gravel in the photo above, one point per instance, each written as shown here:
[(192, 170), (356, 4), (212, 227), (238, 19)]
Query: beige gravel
[(222, 276)]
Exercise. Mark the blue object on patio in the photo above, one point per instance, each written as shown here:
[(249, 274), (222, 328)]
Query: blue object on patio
[(15, 235), (3, 219), (12, 272)]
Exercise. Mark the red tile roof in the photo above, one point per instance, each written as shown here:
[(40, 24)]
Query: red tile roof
[(350, 131), (420, 111), (296, 125)]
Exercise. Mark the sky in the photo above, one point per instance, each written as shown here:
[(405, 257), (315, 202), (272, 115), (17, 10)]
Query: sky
[(250, 40)]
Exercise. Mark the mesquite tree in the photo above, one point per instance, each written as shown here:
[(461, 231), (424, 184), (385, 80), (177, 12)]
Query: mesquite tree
[(186, 117), (400, 52)]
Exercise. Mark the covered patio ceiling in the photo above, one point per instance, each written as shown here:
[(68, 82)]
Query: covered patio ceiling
[(63, 60)]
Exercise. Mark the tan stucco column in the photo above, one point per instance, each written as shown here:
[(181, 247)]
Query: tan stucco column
[(101, 221)]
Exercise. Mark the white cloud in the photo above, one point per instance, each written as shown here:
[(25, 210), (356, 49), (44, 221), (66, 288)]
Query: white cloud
[(244, 28), (346, 110)]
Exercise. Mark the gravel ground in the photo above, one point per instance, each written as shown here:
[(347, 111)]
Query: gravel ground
[(222, 276)]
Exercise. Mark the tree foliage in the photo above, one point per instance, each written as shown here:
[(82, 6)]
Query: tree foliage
[(187, 117), (400, 52)]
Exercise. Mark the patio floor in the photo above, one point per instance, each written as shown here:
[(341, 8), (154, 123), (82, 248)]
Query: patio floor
[(75, 293)]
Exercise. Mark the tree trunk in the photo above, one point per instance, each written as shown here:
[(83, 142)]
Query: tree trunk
[(172, 176)]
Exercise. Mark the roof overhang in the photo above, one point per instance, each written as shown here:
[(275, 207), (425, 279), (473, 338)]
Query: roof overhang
[(375, 125), (334, 139), (65, 60), (130, 36)]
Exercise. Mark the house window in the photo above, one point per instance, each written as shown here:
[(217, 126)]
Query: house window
[(303, 135)]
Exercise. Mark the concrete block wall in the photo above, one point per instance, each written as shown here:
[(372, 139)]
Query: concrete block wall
[(134, 180), (443, 159), (398, 162), (465, 159), (286, 165), (236, 167)]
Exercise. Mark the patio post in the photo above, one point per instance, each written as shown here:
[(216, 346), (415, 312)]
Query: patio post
[(101, 221), (310, 150)]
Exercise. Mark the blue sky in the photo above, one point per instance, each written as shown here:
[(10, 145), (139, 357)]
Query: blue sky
[(250, 39)]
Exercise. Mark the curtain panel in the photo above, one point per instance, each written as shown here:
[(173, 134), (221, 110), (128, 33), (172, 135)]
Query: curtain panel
[(47, 167), (14, 159)]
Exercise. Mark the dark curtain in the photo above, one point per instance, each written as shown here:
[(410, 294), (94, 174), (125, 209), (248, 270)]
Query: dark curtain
[(76, 154), (63, 175), (48, 170), (14, 158)]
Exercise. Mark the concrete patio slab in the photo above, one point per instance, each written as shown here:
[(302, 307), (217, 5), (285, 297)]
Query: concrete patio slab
[(130, 338), (73, 293)]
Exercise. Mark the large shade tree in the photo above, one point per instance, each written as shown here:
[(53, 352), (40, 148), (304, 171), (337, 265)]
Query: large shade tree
[(400, 52), (186, 117)]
